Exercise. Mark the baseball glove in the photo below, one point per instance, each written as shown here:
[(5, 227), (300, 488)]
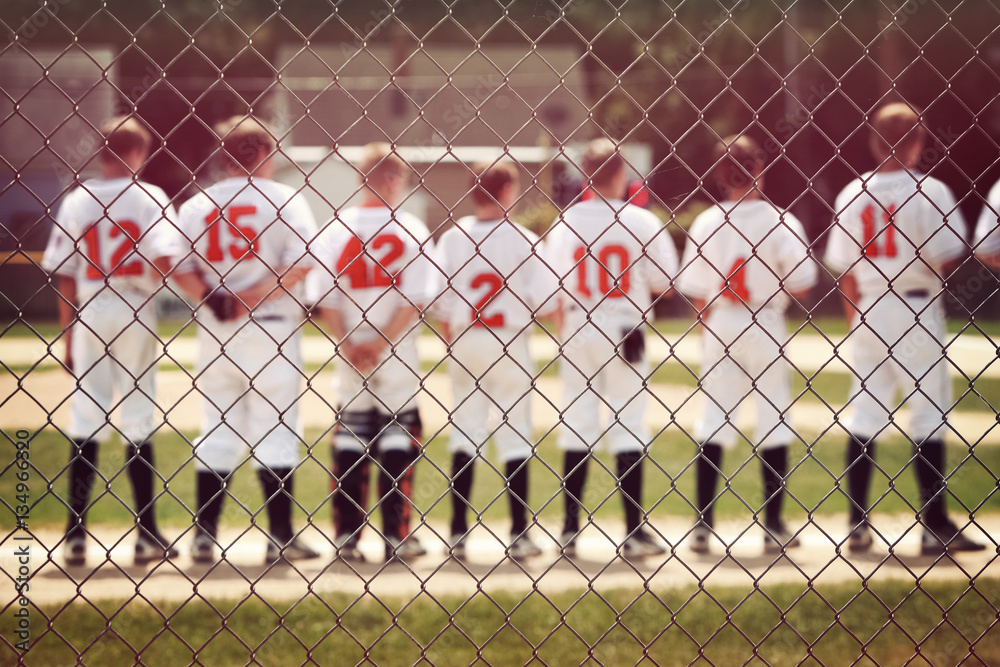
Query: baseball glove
[(222, 303)]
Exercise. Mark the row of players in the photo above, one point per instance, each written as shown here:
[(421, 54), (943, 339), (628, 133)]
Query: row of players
[(245, 249)]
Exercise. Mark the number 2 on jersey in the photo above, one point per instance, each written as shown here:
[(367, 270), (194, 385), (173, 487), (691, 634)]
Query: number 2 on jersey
[(735, 287), (493, 284), (362, 270), (96, 270), (604, 276), (871, 236)]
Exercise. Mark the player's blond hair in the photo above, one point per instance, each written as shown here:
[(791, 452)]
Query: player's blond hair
[(246, 141), (896, 129), (602, 162), (380, 166), (490, 178), (124, 135), (738, 160)]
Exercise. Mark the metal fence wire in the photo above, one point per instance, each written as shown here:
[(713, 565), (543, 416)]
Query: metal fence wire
[(530, 332)]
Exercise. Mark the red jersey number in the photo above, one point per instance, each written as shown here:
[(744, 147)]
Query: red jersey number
[(363, 270), (117, 267), (242, 238), (613, 288), (872, 236), (493, 284), (735, 287)]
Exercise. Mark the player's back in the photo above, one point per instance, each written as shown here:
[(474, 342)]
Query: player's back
[(244, 231), (894, 230), (375, 256), (609, 256), (496, 279), (116, 225), (746, 254)]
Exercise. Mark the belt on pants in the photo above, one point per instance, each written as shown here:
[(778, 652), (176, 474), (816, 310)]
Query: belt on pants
[(917, 294)]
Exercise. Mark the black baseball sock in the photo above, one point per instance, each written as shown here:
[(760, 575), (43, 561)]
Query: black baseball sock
[(277, 486), (859, 463), (462, 473), (350, 477), (773, 469), (630, 483), (930, 461), (517, 494), (395, 506), (707, 470), (142, 473), (82, 468), (574, 479), (211, 492)]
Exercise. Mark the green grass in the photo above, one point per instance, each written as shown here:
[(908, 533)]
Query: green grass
[(669, 482), (883, 623)]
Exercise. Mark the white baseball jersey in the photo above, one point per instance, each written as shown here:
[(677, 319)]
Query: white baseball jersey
[(743, 259), (107, 232), (987, 238), (240, 232), (609, 258), (893, 232), (371, 263), (489, 282)]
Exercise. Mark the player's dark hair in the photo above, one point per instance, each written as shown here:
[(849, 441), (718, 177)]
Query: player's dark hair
[(895, 128), (381, 166), (738, 160), (245, 141), (124, 135), (490, 178), (602, 162)]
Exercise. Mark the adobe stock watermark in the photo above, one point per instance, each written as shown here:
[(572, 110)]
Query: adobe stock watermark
[(23, 540)]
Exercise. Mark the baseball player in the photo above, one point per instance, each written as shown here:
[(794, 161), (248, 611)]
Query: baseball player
[(987, 239), (370, 290), (896, 233), (611, 259), (490, 282), (743, 260), (246, 254), (109, 250)]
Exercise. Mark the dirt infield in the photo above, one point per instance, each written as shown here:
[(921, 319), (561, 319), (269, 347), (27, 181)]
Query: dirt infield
[(816, 562)]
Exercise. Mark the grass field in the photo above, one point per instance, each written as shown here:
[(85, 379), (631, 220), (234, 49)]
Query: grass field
[(669, 482), (910, 622), (886, 624)]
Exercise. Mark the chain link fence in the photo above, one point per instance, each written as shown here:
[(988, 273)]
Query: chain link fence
[(499, 332)]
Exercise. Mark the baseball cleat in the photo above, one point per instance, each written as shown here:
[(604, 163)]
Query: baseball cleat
[(75, 552), (641, 544), (777, 539), (946, 539), (522, 548), (700, 537), (347, 550), (567, 541), (407, 549), (457, 544), (860, 540), (294, 549), (203, 549), (152, 549)]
